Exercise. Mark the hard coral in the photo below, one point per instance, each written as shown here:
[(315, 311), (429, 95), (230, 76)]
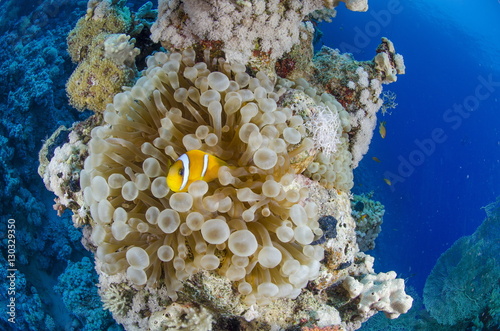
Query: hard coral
[(357, 85), (242, 26), (98, 78), (379, 292), (73, 285), (104, 18), (181, 318), (368, 215), (102, 46)]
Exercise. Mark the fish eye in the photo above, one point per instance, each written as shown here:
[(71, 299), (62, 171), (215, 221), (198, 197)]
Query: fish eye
[(181, 172)]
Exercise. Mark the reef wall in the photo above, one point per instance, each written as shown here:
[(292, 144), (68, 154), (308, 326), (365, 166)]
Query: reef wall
[(268, 242), (35, 67), (462, 290)]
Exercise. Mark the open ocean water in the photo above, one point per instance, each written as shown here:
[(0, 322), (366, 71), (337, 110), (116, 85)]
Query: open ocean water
[(451, 48), (441, 152)]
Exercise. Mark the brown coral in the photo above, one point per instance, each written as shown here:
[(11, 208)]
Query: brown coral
[(97, 79)]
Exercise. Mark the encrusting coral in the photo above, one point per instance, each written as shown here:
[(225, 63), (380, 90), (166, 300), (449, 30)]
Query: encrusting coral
[(101, 45)]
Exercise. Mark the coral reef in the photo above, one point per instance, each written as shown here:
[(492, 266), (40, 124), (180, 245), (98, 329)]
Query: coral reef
[(182, 318), (381, 292), (462, 289), (93, 45), (357, 85), (364, 293), (243, 27), (33, 97), (462, 292), (331, 166), (76, 285), (29, 312), (368, 215), (61, 163), (109, 17), (120, 49), (101, 44), (269, 242), (34, 66), (417, 318)]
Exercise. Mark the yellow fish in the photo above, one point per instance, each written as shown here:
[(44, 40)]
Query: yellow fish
[(382, 130), (387, 181), (192, 166)]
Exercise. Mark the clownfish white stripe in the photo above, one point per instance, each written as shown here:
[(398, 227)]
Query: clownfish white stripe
[(185, 175), (192, 166), (205, 165)]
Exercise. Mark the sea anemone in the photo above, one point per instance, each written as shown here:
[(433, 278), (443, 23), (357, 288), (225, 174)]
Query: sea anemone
[(250, 225)]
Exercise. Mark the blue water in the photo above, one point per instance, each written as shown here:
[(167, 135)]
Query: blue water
[(449, 48), (442, 157)]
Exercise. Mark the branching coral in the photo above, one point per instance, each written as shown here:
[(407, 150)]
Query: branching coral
[(248, 225)]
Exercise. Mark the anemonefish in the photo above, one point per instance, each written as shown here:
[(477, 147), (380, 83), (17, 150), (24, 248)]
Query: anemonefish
[(382, 130), (192, 166)]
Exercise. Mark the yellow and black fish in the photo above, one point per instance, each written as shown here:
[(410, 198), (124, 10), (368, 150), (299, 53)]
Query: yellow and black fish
[(192, 166)]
